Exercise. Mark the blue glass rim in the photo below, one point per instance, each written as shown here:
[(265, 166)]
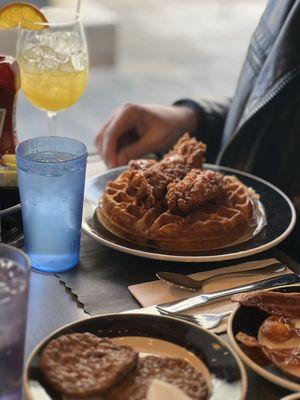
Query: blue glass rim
[(44, 138)]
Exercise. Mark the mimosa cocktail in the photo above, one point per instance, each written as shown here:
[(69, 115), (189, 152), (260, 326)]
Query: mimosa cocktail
[(53, 91), (53, 62)]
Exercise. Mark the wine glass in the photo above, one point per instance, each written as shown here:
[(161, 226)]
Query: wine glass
[(53, 60)]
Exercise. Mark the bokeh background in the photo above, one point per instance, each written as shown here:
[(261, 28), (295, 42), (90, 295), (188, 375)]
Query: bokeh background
[(152, 51)]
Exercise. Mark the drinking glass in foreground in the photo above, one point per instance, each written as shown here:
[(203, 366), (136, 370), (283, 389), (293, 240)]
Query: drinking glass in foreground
[(14, 280)]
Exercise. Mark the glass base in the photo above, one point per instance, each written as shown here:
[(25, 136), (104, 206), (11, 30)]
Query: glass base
[(52, 264)]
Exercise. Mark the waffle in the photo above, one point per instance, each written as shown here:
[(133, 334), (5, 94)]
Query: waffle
[(175, 204)]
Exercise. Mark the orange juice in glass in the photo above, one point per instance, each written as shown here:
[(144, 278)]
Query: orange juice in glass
[(53, 60)]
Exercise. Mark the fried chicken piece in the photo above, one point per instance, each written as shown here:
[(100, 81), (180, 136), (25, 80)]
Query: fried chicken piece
[(198, 188), (140, 188), (141, 164), (158, 182), (149, 180), (187, 153), (148, 186), (189, 150), (157, 176), (173, 168)]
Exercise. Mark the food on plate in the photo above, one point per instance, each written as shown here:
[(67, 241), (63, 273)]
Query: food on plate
[(275, 303), (287, 359), (195, 189), (80, 365), (176, 204), (84, 366), (279, 334), (279, 329), (172, 370)]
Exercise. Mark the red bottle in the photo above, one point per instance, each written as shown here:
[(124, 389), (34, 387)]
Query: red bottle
[(9, 86), (10, 224)]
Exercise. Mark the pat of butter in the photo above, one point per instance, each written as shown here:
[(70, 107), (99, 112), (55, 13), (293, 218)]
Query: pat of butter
[(10, 165), (8, 177), (8, 158), (160, 390)]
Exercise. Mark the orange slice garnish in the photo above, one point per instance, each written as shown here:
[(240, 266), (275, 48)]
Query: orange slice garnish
[(21, 14)]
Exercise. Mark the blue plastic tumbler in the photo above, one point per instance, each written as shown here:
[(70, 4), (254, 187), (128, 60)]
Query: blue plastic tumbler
[(51, 174)]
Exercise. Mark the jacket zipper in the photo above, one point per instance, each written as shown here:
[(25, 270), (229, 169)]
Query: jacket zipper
[(281, 85)]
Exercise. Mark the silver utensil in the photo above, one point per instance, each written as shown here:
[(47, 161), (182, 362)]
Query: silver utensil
[(205, 320), (186, 282), (93, 153), (195, 301), (93, 157), (10, 210)]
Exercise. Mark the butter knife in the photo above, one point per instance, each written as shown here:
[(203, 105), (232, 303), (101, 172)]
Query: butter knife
[(196, 301)]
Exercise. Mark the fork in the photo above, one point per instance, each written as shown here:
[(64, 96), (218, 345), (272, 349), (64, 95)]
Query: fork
[(205, 320)]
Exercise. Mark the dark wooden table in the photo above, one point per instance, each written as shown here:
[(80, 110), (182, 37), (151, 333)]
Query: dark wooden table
[(52, 305)]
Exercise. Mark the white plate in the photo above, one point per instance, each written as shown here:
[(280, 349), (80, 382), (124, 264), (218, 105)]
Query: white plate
[(293, 396), (279, 210)]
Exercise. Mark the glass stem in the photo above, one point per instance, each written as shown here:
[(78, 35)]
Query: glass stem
[(52, 123)]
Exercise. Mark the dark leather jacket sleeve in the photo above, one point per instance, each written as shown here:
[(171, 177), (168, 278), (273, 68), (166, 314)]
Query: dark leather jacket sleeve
[(211, 115), (261, 131)]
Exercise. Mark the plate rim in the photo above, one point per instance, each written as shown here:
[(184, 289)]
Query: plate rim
[(285, 383), (292, 396), (242, 369), (189, 258)]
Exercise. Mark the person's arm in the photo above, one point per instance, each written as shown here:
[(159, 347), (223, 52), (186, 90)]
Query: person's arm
[(134, 130), (210, 115)]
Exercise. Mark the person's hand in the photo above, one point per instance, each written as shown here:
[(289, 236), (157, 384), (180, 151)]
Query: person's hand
[(134, 130)]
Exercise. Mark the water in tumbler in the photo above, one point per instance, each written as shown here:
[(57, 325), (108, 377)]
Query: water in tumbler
[(52, 196), (13, 311)]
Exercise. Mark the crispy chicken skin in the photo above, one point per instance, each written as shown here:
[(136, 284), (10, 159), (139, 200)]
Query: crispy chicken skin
[(149, 179), (188, 153), (141, 164), (158, 182), (189, 150), (197, 188), (147, 186)]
